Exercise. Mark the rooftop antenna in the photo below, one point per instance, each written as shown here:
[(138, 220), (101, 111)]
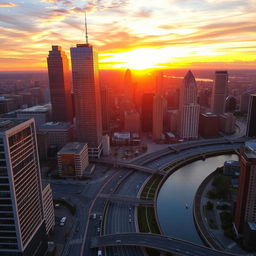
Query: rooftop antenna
[(86, 32)]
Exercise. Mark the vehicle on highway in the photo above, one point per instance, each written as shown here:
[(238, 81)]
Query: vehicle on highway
[(63, 221), (99, 252), (118, 241), (94, 216)]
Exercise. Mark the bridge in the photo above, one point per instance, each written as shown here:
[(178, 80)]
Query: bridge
[(158, 242), (129, 166), (126, 199), (178, 147)]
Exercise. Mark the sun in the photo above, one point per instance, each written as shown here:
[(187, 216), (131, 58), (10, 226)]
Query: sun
[(138, 59)]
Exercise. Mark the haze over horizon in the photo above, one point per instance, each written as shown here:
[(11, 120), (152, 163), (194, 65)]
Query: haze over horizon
[(131, 34)]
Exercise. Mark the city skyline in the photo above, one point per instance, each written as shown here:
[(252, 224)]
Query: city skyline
[(141, 36)]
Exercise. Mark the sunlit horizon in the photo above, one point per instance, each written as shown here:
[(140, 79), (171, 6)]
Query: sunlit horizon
[(138, 35)]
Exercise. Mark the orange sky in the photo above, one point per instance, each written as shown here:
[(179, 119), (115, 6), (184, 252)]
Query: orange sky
[(135, 34)]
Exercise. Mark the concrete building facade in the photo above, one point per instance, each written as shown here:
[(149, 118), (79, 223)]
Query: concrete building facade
[(60, 86), (87, 97), (73, 159), (22, 229), (246, 197), (189, 109), (219, 93)]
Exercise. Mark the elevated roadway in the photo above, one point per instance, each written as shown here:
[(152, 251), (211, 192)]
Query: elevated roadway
[(129, 166), (158, 242)]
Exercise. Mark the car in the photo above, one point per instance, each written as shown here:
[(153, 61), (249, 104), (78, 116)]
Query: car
[(118, 241), (63, 221), (130, 220)]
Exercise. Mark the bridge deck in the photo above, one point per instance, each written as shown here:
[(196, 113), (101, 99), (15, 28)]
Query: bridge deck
[(155, 241)]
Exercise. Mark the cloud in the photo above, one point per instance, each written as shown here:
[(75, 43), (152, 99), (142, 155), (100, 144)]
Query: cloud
[(7, 5)]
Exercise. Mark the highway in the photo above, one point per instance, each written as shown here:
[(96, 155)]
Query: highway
[(162, 243), (119, 218), (118, 215)]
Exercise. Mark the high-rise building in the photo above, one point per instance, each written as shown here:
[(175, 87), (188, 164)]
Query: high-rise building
[(104, 95), (87, 97), (244, 102), (147, 112), (128, 85), (219, 92), (251, 118), (132, 121), (60, 87), (246, 197), (189, 109), (159, 104), (22, 229)]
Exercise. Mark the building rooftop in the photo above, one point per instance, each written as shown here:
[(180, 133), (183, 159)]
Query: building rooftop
[(38, 108), (7, 124), (252, 225), (170, 134), (250, 149), (209, 114), (122, 135), (233, 162), (72, 148), (55, 126)]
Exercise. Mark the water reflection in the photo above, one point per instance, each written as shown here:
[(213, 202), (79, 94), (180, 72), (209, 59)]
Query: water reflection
[(179, 189)]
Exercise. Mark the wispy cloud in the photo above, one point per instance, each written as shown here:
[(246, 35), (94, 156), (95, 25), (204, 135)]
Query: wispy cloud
[(7, 5), (185, 32)]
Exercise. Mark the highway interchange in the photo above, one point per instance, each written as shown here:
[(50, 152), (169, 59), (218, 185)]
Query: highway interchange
[(97, 216)]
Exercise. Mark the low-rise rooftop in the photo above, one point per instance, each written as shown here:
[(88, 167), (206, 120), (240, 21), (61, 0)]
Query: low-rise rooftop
[(250, 149), (73, 148), (55, 126), (38, 108)]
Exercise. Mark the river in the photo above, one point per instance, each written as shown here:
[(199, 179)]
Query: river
[(178, 190)]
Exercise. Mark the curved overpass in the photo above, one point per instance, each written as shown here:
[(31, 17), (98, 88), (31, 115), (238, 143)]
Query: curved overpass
[(158, 242)]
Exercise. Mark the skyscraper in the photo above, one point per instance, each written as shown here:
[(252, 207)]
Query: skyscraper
[(251, 118), (22, 229), (246, 199), (188, 109), (147, 112), (159, 104), (128, 85), (87, 97), (219, 93), (60, 87), (104, 95)]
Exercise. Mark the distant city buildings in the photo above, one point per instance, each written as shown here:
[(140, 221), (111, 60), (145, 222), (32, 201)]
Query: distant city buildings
[(147, 112), (132, 121), (87, 97), (105, 108), (60, 86), (40, 113), (244, 102), (52, 136), (159, 105), (219, 93), (251, 118), (73, 159), (209, 125), (128, 85), (188, 109), (22, 229), (227, 123)]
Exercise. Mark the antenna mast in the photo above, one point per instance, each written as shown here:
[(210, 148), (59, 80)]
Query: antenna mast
[(86, 32)]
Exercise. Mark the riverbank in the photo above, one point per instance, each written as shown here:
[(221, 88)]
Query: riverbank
[(212, 233)]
